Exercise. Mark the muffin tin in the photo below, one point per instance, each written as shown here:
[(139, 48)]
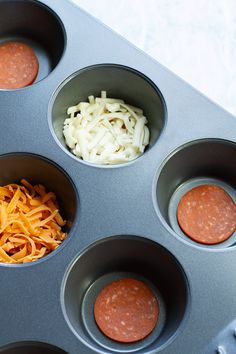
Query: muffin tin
[(122, 218)]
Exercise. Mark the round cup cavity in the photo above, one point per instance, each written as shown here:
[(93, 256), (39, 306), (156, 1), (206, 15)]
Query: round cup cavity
[(38, 170), (120, 82), (31, 348), (120, 257), (207, 161), (36, 25)]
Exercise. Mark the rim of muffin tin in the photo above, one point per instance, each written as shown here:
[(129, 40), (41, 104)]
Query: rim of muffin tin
[(116, 66), (19, 38), (75, 217), (173, 227), (142, 346)]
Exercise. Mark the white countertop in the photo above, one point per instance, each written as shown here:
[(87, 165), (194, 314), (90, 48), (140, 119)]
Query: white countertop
[(196, 39)]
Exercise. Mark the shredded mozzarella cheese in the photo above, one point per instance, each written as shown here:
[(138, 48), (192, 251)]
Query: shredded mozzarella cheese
[(106, 130)]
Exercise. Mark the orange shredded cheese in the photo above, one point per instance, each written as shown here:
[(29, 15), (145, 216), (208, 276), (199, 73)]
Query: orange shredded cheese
[(30, 223)]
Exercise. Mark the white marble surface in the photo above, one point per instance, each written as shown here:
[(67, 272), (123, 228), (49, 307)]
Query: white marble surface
[(194, 38)]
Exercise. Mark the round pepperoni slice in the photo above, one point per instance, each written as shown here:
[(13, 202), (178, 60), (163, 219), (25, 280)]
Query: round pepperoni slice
[(18, 65), (207, 214), (126, 310)]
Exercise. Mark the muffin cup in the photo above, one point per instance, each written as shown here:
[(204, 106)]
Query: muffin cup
[(119, 82), (120, 257), (38, 170), (36, 25), (31, 348), (207, 161)]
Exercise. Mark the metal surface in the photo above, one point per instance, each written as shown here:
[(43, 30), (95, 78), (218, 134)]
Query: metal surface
[(119, 215)]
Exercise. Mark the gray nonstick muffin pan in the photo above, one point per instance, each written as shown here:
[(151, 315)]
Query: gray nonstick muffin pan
[(123, 217)]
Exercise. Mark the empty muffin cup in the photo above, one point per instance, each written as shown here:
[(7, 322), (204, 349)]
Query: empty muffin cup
[(119, 82), (201, 162), (39, 171), (31, 348), (116, 258), (37, 26)]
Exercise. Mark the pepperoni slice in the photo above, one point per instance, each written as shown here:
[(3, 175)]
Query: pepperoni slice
[(207, 214), (18, 65), (126, 310)]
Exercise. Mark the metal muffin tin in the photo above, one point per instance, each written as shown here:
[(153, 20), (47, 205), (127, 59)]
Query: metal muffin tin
[(123, 217)]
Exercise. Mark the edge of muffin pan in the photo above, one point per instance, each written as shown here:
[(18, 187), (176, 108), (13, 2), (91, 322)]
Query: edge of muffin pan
[(167, 174)]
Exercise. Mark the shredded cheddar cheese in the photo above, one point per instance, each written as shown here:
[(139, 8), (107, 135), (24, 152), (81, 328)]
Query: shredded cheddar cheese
[(30, 223)]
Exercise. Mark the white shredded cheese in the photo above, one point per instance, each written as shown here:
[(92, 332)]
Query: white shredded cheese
[(106, 130)]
